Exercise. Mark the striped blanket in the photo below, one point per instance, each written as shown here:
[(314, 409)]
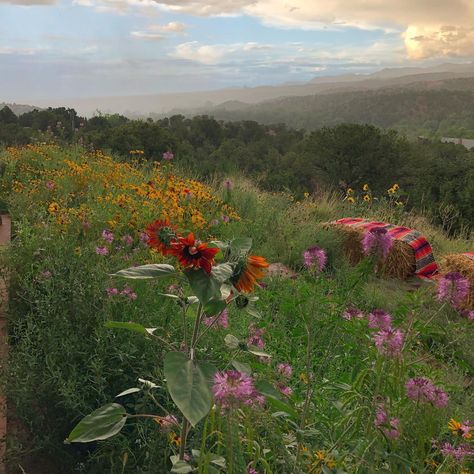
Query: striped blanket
[(469, 255), (425, 264)]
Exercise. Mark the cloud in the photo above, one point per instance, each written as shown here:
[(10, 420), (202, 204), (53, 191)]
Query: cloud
[(205, 54), (147, 36), (171, 27), (29, 2), (447, 40)]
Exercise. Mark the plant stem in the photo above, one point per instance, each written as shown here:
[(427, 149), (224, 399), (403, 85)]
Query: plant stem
[(185, 426)]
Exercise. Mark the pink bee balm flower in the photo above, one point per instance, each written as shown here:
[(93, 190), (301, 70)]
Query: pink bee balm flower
[(453, 288), (458, 453), (50, 185), (225, 218), (388, 427), (255, 336), (389, 342), (108, 236), (379, 319), (127, 239), (144, 237), (101, 250), (112, 291), (315, 257), (167, 422), (168, 155), (351, 312), (422, 390), (251, 470), (285, 369), (228, 185), (287, 391), (233, 388), (129, 293), (377, 242), (221, 320)]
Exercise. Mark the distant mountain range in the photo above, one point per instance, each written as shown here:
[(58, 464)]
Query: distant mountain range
[(144, 105), (18, 109)]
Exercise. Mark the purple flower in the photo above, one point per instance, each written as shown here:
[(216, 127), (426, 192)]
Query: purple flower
[(101, 250), (454, 288), (233, 388), (220, 320), (112, 291), (251, 470), (379, 319), (108, 236), (423, 390), (127, 239), (352, 312), (287, 391), (388, 427), (225, 218), (45, 275), (377, 242), (255, 336), (285, 369), (129, 293), (167, 422), (469, 315), (144, 237), (457, 453), (50, 185), (389, 342), (168, 155), (315, 257), (228, 184)]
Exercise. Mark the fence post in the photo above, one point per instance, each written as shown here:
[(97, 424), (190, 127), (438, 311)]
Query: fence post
[(5, 236)]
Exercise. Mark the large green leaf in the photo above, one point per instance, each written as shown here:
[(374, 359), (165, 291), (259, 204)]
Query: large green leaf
[(129, 326), (146, 272), (214, 307), (102, 423), (189, 385), (223, 271), (203, 285), (241, 246)]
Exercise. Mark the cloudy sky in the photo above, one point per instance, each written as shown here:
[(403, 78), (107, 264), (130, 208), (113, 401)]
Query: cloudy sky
[(83, 48)]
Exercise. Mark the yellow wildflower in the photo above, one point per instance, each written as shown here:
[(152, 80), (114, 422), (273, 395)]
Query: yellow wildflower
[(53, 208), (366, 198), (304, 378), (365, 187), (350, 191), (351, 200)]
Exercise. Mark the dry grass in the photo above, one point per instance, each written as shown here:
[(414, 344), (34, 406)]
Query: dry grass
[(400, 262), (461, 263)]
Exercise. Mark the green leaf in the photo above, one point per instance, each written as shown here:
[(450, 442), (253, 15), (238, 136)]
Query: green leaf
[(222, 272), (242, 367), (128, 392), (256, 351), (102, 423), (241, 246), (273, 398), (181, 467), (214, 307), (146, 272), (189, 385), (203, 285), (129, 326), (231, 341)]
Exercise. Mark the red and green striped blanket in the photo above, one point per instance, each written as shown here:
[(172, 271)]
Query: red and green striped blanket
[(425, 263)]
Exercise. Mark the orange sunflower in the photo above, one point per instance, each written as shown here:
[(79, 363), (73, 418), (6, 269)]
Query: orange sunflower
[(161, 236), (192, 253), (252, 270)]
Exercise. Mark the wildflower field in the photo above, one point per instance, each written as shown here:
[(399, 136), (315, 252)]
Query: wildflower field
[(149, 331)]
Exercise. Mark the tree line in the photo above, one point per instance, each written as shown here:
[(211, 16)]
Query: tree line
[(437, 178)]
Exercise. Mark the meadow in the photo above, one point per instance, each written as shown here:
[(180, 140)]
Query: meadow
[(193, 356)]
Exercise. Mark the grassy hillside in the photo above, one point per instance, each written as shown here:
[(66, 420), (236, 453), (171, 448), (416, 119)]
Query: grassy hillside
[(334, 400)]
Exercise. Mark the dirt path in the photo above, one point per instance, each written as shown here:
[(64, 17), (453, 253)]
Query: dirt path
[(5, 234)]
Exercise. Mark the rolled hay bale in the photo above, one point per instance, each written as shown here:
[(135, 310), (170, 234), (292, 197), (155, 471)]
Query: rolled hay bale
[(462, 263), (411, 255)]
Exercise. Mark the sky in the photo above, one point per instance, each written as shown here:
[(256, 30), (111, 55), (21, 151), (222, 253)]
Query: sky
[(52, 49)]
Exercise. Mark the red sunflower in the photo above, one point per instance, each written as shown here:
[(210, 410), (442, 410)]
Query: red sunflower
[(191, 253), (161, 236), (252, 270)]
